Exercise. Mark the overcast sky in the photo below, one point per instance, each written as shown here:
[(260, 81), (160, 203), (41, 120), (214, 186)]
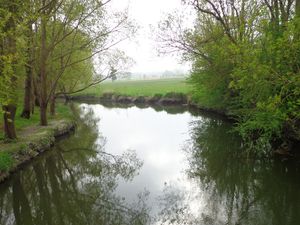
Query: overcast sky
[(143, 48)]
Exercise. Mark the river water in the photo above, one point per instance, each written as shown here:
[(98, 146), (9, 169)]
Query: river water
[(141, 165)]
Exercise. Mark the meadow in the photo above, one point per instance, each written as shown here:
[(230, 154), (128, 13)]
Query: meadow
[(130, 88), (139, 87)]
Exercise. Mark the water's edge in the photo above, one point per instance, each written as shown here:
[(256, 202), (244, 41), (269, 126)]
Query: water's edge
[(178, 99), (39, 142)]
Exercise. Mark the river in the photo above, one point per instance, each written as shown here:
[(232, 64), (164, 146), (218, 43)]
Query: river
[(141, 165)]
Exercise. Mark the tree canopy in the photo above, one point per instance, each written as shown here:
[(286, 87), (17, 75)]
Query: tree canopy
[(246, 62), (52, 47)]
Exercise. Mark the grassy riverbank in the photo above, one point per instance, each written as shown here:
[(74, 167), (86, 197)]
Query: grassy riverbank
[(32, 138), (139, 87), (62, 112)]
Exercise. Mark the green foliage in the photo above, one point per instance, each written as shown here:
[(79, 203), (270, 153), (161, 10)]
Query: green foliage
[(7, 84), (70, 52), (6, 161), (252, 71), (210, 75)]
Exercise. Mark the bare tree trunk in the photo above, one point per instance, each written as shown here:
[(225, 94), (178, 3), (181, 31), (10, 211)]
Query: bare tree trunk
[(9, 121), (27, 95), (67, 99), (32, 96), (298, 8), (29, 73), (36, 98), (43, 72), (297, 33), (43, 115), (52, 105)]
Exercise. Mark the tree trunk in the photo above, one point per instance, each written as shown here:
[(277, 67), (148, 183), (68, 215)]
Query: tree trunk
[(33, 98), (35, 93), (67, 99), (36, 100), (9, 110), (43, 115), (52, 105), (276, 19), (298, 8), (297, 24), (9, 121), (27, 94), (29, 73), (43, 73)]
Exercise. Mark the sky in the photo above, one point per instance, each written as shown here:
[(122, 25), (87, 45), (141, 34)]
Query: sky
[(143, 48)]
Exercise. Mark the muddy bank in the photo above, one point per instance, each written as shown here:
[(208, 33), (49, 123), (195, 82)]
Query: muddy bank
[(34, 141)]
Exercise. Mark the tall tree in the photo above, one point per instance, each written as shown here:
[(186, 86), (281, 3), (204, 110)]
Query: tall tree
[(9, 74), (68, 21), (297, 8), (28, 84), (245, 58)]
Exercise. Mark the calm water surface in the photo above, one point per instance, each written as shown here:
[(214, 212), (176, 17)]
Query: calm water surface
[(150, 166)]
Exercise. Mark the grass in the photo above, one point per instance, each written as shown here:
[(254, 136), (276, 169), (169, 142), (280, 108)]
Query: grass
[(140, 87), (6, 161), (62, 111), (13, 153)]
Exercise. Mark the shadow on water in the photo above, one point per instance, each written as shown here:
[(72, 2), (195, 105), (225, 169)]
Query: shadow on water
[(76, 182), (168, 108), (231, 188), (73, 184)]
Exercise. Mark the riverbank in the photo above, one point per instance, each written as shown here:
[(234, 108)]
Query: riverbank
[(183, 100), (170, 98), (31, 142), (32, 139), (155, 92)]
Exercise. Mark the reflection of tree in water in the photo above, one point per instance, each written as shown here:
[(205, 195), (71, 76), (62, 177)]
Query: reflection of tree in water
[(73, 184), (227, 187), (168, 108)]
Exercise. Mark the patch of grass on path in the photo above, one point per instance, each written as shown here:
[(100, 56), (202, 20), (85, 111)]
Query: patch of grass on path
[(32, 138), (139, 87), (62, 111)]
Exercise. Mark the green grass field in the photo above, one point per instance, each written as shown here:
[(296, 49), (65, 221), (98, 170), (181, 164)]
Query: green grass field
[(140, 87), (130, 88)]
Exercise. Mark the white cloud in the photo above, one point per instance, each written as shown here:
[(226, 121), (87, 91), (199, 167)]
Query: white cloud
[(142, 48)]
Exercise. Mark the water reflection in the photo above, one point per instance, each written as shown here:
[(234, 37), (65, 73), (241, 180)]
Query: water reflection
[(231, 188), (73, 184), (141, 165)]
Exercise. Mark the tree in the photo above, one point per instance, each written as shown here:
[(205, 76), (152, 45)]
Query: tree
[(67, 20), (10, 60), (30, 19), (110, 65), (245, 58)]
